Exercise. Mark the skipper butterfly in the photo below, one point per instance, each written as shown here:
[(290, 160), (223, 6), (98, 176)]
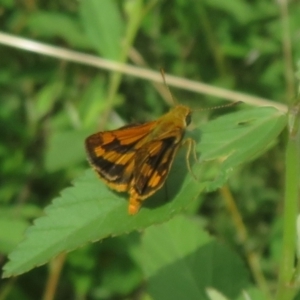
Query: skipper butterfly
[(137, 158)]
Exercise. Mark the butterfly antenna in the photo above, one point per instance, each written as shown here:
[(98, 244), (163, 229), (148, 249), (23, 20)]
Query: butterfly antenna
[(220, 106), (162, 72)]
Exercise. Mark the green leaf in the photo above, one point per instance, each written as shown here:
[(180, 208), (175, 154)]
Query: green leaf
[(93, 102), (241, 11), (65, 148), (215, 295), (62, 26), (252, 293), (104, 26), (181, 260), (10, 238), (46, 98), (238, 137), (90, 211)]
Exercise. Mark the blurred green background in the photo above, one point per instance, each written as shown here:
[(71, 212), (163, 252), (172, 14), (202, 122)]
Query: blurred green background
[(49, 105)]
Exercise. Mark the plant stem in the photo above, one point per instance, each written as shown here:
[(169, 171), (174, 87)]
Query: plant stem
[(291, 198), (56, 266), (242, 233), (135, 15)]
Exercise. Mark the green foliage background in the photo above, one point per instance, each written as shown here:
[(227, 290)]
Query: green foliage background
[(49, 106)]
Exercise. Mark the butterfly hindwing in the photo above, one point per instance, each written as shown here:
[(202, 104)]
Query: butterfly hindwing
[(153, 164)]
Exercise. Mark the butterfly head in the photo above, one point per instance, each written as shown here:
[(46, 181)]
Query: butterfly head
[(183, 113)]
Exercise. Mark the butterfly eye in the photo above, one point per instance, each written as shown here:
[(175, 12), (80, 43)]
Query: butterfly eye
[(188, 119)]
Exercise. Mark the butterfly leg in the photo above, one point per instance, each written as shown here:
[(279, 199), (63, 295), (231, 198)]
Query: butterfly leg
[(191, 146)]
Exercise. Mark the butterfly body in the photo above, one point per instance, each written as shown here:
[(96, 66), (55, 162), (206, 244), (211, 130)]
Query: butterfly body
[(137, 158)]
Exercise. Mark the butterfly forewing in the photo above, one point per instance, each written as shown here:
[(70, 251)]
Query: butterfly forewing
[(111, 153)]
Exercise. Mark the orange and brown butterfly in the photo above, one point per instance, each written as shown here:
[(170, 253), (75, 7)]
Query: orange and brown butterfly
[(137, 158)]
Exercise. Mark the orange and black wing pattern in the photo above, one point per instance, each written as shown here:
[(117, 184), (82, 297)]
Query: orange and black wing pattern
[(130, 160), (112, 153), (153, 164), (137, 158)]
